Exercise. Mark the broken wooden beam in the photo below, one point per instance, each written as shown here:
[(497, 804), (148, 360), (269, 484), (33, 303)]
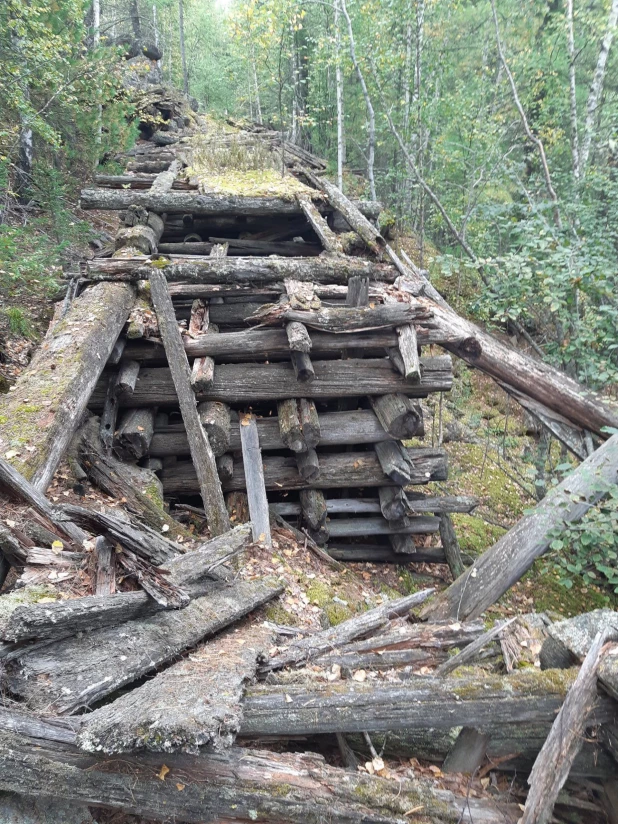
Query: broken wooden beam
[(39, 416), (133, 436), (400, 417), (201, 451), (337, 471), (250, 382), (77, 672), (499, 567), (328, 238)]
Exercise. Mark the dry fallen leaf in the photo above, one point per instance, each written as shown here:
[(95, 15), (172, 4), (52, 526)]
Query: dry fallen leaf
[(163, 772), (288, 699), (369, 767), (359, 675), (378, 764), (180, 787), (57, 547)]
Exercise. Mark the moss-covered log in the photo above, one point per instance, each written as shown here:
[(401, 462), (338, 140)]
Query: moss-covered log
[(38, 418)]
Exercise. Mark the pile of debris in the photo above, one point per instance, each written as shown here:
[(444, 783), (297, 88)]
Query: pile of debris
[(223, 326)]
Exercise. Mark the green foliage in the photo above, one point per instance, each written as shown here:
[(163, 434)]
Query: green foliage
[(18, 321)]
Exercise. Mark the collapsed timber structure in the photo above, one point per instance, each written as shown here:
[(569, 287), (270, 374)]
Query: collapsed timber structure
[(262, 360)]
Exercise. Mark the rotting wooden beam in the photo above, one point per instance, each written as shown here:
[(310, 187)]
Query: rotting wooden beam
[(40, 415), (254, 477), (328, 238), (201, 451)]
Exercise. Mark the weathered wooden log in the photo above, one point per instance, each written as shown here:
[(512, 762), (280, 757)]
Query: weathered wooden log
[(359, 527), (11, 549), (156, 583), (206, 711), (328, 238), (502, 565), (38, 418), (133, 437), (313, 508), (403, 545), (399, 416), (197, 204), (127, 376), (203, 369), (255, 343), (250, 382), (216, 420), (290, 428), (467, 655), (254, 476), (472, 701), (253, 246), (303, 367), (234, 787), (383, 554), (139, 181), (26, 809), (358, 291), (308, 465), (358, 426), (196, 571), (393, 503), (201, 451), (394, 461), (298, 337), (467, 753), (5, 568), (417, 503), (242, 270), (77, 672), (367, 623), (348, 470), (225, 467), (408, 349), (17, 487), (117, 351), (109, 415), (451, 548), (105, 557), (344, 319), (552, 766), (164, 181)]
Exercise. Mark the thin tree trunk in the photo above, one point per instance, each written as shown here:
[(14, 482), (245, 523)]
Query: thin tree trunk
[(596, 87), (339, 89), (155, 25), (371, 118), (135, 20), (183, 54), (572, 90)]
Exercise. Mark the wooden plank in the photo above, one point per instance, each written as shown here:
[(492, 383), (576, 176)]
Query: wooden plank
[(451, 546), (254, 478), (328, 238), (359, 527), (408, 349), (337, 471), (105, 556), (201, 451), (372, 506), (467, 655)]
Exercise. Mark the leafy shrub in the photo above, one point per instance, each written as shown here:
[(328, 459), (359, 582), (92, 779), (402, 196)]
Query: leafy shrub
[(18, 321)]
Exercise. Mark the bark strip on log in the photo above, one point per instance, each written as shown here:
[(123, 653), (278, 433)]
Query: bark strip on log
[(195, 703), (38, 418), (77, 672), (497, 569), (352, 469), (250, 382), (201, 451)]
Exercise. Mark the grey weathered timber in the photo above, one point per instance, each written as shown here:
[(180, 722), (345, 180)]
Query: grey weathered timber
[(313, 508), (399, 416), (117, 351), (552, 766), (5, 568), (467, 753), (242, 270), (417, 503), (198, 204), (344, 319), (105, 558), (408, 349), (311, 647), (346, 470), (195, 703), (242, 248), (134, 433), (381, 554), (24, 809), (502, 565), (203, 369), (298, 337), (194, 571), (11, 549), (127, 376), (164, 181), (358, 527), (308, 465), (77, 672), (142, 540), (39, 416), (139, 181), (250, 382), (216, 420), (468, 654), (450, 544), (303, 367), (472, 701), (201, 451), (358, 426), (358, 291), (109, 415), (225, 467), (403, 545), (393, 503), (310, 422), (394, 461), (328, 238), (16, 486), (236, 786), (254, 477), (290, 428)]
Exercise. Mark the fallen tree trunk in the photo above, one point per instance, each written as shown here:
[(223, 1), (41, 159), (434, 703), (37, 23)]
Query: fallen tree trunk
[(250, 382), (527, 696), (242, 270), (238, 786), (350, 469), (38, 418), (497, 569), (77, 672), (344, 319), (194, 703)]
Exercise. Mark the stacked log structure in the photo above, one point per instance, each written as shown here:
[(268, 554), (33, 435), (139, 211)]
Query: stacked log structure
[(279, 323)]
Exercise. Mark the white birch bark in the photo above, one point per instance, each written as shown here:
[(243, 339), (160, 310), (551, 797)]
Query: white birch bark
[(183, 54), (572, 90), (339, 93)]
